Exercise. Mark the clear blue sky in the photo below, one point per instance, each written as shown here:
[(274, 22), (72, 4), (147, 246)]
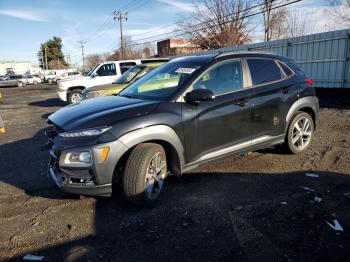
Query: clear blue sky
[(26, 24)]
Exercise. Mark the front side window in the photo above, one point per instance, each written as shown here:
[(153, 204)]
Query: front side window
[(162, 82), (222, 78), (106, 70), (264, 71)]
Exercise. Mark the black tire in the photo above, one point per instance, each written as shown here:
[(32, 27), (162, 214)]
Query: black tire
[(73, 96), (294, 142), (20, 84), (135, 175)]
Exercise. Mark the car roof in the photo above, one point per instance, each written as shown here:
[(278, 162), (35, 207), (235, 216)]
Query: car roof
[(213, 56), (194, 58)]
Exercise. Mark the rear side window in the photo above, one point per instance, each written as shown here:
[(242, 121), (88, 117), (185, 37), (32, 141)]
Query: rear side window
[(107, 70), (125, 66), (286, 69), (264, 71)]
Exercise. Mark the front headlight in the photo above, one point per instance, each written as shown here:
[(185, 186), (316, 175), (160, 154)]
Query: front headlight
[(60, 87), (86, 132), (95, 93), (78, 157)]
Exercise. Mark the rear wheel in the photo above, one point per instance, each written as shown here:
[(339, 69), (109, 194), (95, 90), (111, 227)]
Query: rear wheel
[(35, 82), (20, 84), (299, 133), (144, 174), (75, 96), (49, 80)]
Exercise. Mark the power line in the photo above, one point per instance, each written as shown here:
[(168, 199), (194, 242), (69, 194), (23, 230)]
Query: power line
[(199, 29), (138, 6), (179, 30), (120, 16)]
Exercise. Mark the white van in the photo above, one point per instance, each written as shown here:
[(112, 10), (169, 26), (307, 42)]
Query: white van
[(104, 73)]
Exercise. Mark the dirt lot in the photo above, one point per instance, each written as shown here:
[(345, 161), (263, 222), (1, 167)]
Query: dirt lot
[(244, 208)]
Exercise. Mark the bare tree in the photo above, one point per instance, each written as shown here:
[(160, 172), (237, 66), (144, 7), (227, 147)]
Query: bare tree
[(341, 11), (219, 24), (297, 24), (275, 26), (92, 60)]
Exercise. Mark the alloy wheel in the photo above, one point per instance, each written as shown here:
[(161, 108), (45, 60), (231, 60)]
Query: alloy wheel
[(155, 175), (76, 98), (301, 135)]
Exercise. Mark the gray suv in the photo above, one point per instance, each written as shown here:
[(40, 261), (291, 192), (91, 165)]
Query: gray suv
[(183, 114)]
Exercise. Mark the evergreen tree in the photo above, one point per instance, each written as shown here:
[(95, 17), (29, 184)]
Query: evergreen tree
[(54, 55)]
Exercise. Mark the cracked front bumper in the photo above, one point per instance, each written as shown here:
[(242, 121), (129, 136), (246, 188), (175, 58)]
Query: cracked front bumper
[(94, 180)]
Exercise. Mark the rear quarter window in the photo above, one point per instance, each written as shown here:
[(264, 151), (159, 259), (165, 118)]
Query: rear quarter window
[(264, 71), (286, 69)]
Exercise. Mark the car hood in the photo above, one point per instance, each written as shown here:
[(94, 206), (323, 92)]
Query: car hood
[(101, 111), (74, 80)]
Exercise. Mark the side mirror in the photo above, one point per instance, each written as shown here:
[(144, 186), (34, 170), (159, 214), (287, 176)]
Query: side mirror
[(94, 75), (197, 95)]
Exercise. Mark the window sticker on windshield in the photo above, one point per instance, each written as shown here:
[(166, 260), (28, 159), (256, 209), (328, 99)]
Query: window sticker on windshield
[(185, 70)]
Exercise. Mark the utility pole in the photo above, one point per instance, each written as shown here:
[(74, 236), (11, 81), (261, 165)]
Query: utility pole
[(46, 57), (42, 59), (82, 50), (68, 59), (120, 16)]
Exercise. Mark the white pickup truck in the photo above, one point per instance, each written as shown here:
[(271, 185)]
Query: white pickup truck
[(104, 73)]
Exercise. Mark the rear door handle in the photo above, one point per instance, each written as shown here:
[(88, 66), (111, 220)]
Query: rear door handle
[(241, 102), (285, 90)]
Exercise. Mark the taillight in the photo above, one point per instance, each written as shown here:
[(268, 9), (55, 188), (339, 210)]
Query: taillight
[(309, 81)]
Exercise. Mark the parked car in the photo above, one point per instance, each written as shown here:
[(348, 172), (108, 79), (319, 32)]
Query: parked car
[(103, 73), (185, 113), (66, 76), (32, 80), (127, 78), (14, 80), (49, 77)]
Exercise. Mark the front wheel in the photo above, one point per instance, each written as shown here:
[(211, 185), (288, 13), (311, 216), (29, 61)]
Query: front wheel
[(144, 174), (75, 96), (20, 84), (35, 82), (299, 133), (49, 81)]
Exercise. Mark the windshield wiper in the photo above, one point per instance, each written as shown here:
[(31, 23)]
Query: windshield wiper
[(128, 96)]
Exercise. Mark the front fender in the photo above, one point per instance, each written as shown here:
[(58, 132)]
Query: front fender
[(156, 132)]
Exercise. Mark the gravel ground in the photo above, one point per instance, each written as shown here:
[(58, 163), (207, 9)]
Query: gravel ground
[(259, 206)]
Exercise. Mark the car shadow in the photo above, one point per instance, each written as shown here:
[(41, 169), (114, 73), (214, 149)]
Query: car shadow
[(52, 102), (338, 98), (196, 215)]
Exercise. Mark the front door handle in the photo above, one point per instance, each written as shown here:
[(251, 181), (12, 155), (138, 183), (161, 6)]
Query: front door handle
[(241, 102)]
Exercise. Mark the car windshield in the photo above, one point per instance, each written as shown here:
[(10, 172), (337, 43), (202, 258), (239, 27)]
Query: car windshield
[(91, 71), (161, 83), (128, 75)]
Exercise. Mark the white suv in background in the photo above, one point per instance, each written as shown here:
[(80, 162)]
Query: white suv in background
[(104, 73)]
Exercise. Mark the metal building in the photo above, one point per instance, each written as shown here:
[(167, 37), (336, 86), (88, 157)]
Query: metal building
[(325, 57)]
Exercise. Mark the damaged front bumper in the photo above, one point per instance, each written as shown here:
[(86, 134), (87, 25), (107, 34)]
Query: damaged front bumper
[(93, 179)]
